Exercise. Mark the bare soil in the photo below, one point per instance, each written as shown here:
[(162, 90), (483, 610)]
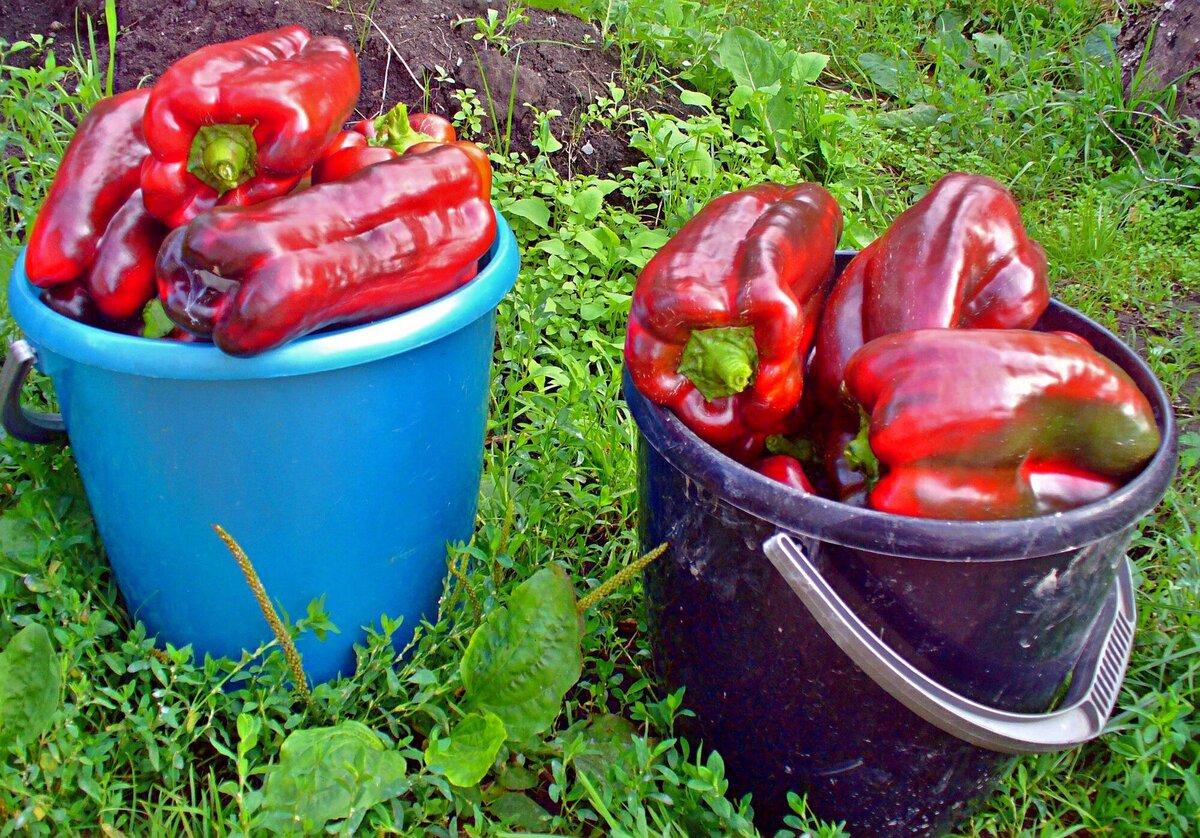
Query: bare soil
[(419, 52)]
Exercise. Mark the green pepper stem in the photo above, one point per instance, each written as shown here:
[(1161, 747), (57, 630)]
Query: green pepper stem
[(225, 160), (721, 361), (394, 131), (223, 156)]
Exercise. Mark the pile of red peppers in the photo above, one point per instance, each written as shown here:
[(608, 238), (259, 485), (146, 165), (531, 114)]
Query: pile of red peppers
[(233, 193), (914, 384)]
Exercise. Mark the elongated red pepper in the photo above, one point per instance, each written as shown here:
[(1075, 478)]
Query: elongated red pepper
[(98, 174), (242, 121), (71, 299), (997, 423), (121, 278), (959, 257), (981, 494), (388, 238), (724, 314)]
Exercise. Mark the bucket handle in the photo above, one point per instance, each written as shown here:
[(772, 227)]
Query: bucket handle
[(20, 423), (1086, 707)]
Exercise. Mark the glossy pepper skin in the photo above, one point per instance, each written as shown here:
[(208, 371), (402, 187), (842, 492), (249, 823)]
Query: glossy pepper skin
[(784, 468), (983, 423), (121, 278), (724, 314), (394, 133), (388, 238), (98, 174), (959, 257), (242, 121), (399, 129)]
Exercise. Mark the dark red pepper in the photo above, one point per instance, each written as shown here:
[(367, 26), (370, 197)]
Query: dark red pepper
[(121, 278), (242, 121), (388, 238), (71, 299), (991, 423), (98, 174), (959, 257), (784, 468), (724, 314)]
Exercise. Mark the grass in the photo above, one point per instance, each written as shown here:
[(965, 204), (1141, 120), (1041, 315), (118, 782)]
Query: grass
[(151, 741)]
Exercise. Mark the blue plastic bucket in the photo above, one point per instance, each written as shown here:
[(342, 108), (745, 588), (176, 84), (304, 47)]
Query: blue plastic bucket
[(344, 463)]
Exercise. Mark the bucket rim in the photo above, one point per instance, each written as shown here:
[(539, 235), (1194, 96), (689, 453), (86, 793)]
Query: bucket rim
[(814, 517), (47, 330)]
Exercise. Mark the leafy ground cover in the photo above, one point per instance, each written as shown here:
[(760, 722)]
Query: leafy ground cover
[(875, 99)]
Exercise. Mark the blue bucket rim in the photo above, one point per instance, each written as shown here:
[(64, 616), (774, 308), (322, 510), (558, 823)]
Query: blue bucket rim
[(155, 358), (823, 519)]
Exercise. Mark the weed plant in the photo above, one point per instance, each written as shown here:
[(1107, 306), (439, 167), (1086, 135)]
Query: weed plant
[(148, 740)]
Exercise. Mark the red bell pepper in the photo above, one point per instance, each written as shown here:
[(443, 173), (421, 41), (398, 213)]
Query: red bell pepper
[(97, 176), (396, 132), (388, 238), (346, 161), (959, 257), (71, 299), (989, 423), (784, 468), (398, 129), (724, 314), (242, 121), (121, 279), (979, 494)]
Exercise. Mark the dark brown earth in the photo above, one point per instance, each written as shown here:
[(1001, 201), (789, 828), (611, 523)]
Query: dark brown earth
[(419, 52), (1172, 28)]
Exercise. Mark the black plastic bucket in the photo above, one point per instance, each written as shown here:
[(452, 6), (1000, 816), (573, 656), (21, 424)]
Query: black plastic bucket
[(884, 665)]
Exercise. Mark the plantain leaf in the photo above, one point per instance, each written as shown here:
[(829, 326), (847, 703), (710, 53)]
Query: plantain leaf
[(526, 655), (752, 60), (29, 685), (329, 774), (467, 755)]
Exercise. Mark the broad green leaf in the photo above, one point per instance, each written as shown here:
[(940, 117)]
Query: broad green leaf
[(751, 59), (590, 242), (883, 72), (808, 66), (694, 99), (592, 311), (520, 812), (955, 46), (526, 654), (467, 755), (155, 323), (588, 203), (1099, 42), (29, 685), (18, 542), (608, 736), (995, 47), (533, 210), (918, 116), (329, 774), (781, 114)]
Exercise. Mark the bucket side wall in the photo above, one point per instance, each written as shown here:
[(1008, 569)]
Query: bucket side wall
[(772, 692), (346, 484)]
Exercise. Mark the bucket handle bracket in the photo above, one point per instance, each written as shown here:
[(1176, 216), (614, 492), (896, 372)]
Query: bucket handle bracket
[(22, 424), (1086, 707)]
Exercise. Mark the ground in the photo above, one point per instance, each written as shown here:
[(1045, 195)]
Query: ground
[(418, 52), (421, 51)]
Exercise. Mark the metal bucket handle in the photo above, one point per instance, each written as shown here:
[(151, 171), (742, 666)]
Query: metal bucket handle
[(20, 423), (1086, 706)]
